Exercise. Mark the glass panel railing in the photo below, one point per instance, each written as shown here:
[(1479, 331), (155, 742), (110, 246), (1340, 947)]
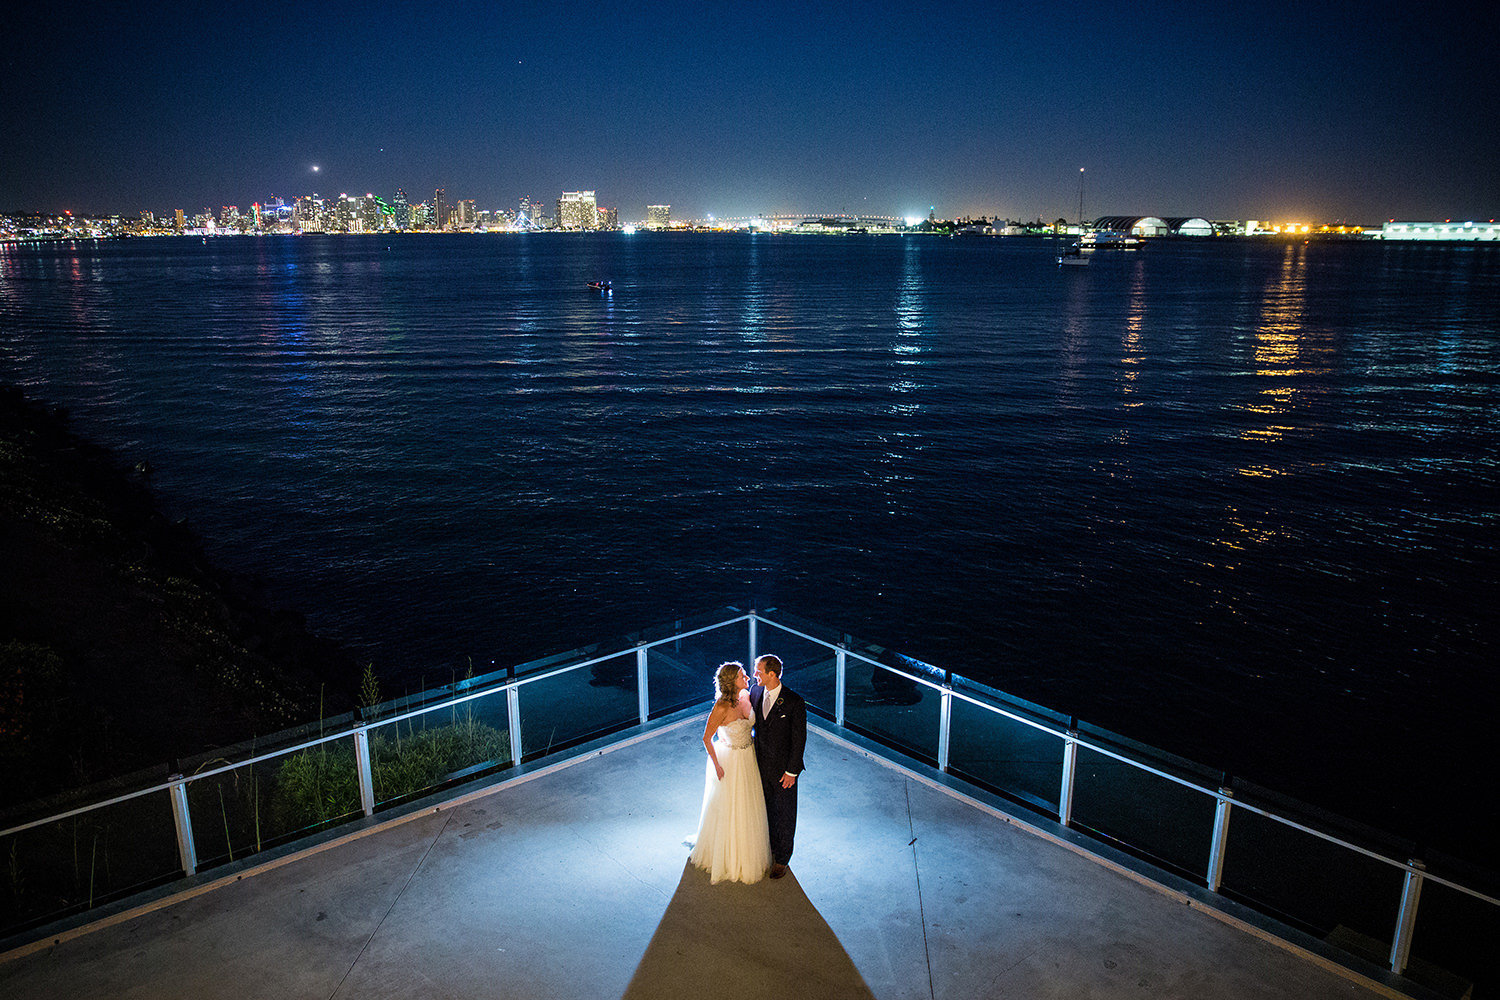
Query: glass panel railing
[(1333, 890), (733, 650), (307, 790), (892, 708), (577, 705), (782, 621), (1453, 945), (1015, 759), (816, 677), (260, 746), (1144, 812), (76, 863), (1326, 889), (1198, 774), (1018, 706), (413, 756), (808, 667), (239, 812), (691, 623), (680, 673)]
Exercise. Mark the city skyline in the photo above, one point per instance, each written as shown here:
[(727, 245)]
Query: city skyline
[(1343, 112)]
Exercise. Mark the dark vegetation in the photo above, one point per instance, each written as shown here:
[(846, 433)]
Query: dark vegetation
[(121, 647), (122, 650)]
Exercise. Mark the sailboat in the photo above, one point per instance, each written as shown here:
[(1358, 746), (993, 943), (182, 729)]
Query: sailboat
[(1074, 255)]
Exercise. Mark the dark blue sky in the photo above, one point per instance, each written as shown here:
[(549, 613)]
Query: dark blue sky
[(1325, 111)]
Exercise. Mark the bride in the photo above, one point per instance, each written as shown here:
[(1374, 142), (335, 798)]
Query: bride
[(733, 840)]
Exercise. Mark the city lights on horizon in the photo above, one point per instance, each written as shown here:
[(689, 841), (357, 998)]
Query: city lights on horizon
[(580, 211), (754, 217)]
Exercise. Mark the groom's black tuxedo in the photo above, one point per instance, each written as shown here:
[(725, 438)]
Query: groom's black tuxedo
[(779, 740)]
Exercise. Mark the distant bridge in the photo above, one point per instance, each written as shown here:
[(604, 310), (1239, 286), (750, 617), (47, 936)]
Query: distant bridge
[(792, 218)]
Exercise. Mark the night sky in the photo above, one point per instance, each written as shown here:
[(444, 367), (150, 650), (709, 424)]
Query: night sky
[(1325, 112)]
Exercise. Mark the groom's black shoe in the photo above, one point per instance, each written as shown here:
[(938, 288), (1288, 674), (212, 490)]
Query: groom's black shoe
[(778, 870)]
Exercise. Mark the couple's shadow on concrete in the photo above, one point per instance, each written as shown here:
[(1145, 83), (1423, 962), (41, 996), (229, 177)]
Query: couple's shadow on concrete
[(741, 941)]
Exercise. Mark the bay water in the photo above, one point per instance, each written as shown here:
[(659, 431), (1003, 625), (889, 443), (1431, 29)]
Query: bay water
[(1234, 499)]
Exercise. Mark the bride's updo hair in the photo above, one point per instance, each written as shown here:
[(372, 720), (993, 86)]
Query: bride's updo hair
[(724, 679)]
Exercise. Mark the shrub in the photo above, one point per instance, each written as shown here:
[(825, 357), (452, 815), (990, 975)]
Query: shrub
[(420, 758), (316, 785), (320, 784)]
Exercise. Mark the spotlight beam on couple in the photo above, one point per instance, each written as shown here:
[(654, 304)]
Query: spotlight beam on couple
[(755, 737)]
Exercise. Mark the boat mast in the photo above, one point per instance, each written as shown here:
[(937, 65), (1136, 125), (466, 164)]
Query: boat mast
[(1080, 201)]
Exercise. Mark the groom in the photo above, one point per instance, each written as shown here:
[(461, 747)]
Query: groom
[(780, 735)]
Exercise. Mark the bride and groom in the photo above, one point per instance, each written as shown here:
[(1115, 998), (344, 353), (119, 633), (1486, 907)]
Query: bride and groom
[(754, 738)]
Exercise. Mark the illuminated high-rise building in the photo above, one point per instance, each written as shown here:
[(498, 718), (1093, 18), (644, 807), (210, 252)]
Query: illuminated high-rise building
[(576, 210), (346, 215), (177, 220), (371, 219), (307, 212), (658, 216), (440, 209), (402, 210)]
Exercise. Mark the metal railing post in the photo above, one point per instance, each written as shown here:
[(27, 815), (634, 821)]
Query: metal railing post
[(513, 713), (1406, 919), (945, 726), (840, 669), (187, 851), (642, 688), (1070, 765), (1221, 839), (366, 772), (750, 663)]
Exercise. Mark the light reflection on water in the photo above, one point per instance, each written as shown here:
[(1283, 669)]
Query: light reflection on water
[(1195, 486)]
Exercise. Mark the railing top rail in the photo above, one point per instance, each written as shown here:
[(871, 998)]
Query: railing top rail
[(1221, 796), (517, 682), (926, 681), (366, 724), (697, 631), (512, 683), (163, 786), (1141, 765)]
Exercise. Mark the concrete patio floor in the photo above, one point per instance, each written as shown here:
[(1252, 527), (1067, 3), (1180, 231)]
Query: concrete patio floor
[(573, 883)]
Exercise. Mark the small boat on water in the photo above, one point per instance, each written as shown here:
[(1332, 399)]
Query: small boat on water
[(1109, 239), (1073, 255), (599, 286)]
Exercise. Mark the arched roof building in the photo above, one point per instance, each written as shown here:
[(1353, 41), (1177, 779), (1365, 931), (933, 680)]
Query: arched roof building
[(1190, 227), (1151, 225)]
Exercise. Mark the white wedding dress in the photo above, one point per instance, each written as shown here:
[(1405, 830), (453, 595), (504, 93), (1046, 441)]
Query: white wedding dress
[(734, 841)]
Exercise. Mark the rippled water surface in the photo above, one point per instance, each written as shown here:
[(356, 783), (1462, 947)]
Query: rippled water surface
[(1238, 500)]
